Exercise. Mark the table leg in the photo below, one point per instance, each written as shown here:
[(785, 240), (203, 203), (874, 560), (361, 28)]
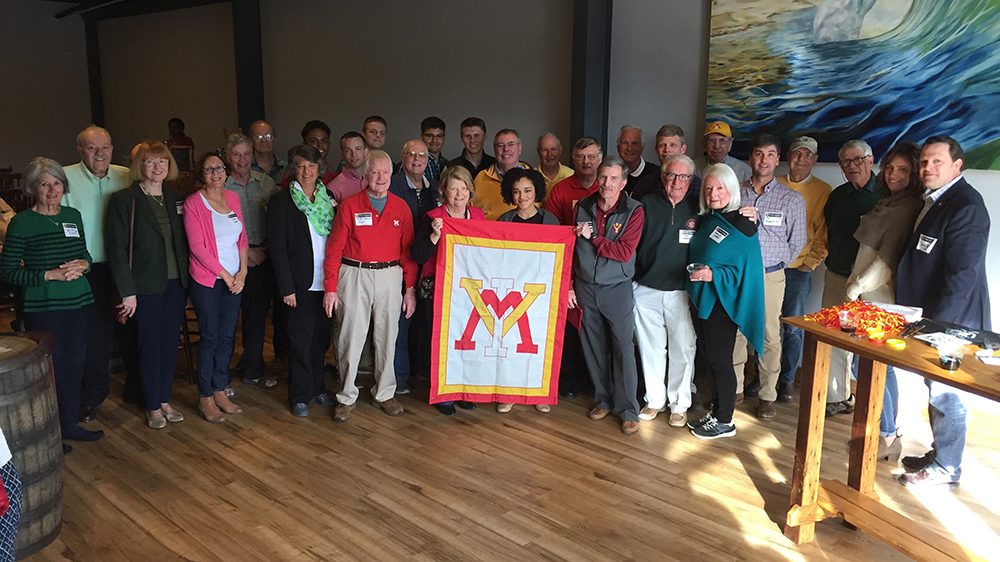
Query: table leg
[(809, 440), (864, 429)]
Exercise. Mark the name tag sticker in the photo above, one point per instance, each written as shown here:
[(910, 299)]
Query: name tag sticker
[(925, 244), (363, 219), (773, 219), (718, 235), (70, 230), (684, 236), (232, 216), (180, 207)]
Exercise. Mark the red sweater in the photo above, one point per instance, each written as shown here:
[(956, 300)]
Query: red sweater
[(564, 197), (360, 233)]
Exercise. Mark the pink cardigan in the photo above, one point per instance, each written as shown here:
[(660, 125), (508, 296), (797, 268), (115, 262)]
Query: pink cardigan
[(205, 266)]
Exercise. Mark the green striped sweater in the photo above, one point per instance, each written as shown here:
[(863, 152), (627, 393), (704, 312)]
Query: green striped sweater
[(36, 243)]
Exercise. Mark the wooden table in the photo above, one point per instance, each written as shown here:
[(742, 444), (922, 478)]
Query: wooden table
[(856, 501)]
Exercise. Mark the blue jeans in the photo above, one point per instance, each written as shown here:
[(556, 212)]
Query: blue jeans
[(947, 414), (797, 287), (218, 310), (158, 321), (890, 404)]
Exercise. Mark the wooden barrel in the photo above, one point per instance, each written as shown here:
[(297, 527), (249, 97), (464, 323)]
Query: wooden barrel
[(30, 419)]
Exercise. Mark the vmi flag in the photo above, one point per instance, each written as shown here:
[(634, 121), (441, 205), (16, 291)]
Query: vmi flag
[(499, 311)]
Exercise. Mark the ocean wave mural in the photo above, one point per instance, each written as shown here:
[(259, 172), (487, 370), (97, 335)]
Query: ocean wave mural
[(880, 70)]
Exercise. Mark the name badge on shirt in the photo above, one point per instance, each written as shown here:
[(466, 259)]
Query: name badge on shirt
[(70, 230), (718, 235), (363, 219), (773, 219), (684, 236), (180, 207), (925, 243), (232, 216)]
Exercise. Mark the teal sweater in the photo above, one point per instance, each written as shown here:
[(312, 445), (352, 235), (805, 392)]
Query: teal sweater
[(37, 243), (737, 275)]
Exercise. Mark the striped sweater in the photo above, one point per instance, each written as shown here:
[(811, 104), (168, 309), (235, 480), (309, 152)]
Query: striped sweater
[(37, 243)]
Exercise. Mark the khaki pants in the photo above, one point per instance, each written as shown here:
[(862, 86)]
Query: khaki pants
[(368, 297), (839, 387), (770, 360)]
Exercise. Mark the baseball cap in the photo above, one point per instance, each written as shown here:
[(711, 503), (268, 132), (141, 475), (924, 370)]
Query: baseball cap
[(720, 127), (807, 142)]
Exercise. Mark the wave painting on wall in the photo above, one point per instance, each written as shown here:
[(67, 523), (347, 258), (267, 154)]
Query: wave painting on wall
[(880, 70)]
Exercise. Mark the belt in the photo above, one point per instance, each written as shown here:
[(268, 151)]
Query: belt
[(369, 264), (776, 267)]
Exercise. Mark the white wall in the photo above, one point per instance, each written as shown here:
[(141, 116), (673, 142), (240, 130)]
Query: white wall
[(45, 100), (507, 62), (659, 56), (178, 63)]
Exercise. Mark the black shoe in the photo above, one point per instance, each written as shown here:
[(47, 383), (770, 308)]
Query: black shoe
[(786, 392), (446, 409), (324, 399), (300, 409), (751, 391), (916, 464), (466, 405), (77, 433), (402, 388), (67, 448)]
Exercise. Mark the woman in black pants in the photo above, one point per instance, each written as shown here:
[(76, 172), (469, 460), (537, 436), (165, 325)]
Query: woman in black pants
[(148, 257), (298, 224), (727, 292)]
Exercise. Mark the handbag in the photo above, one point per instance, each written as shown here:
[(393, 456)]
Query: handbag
[(119, 309)]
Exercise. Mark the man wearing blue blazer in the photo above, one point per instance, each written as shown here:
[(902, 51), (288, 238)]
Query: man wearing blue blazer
[(943, 270)]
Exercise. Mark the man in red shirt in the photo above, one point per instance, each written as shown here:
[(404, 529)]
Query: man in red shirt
[(367, 261), (562, 201)]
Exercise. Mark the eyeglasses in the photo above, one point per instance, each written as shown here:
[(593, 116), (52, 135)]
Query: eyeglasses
[(414, 154), (213, 171), (509, 145), (586, 157), (681, 177), (856, 161), (265, 137)]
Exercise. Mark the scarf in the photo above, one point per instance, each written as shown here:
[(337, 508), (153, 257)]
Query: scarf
[(887, 227), (318, 212)]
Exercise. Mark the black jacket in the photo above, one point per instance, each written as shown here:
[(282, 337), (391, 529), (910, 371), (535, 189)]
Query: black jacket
[(289, 245)]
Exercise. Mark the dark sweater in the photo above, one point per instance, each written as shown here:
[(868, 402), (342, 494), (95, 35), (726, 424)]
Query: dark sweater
[(662, 258), (843, 211)]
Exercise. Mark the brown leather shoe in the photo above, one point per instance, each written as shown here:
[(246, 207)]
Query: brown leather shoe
[(739, 397), (391, 407), (225, 404), (765, 409), (343, 412), (629, 427), (598, 413), (208, 409)]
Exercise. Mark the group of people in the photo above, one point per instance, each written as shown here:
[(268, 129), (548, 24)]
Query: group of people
[(672, 266)]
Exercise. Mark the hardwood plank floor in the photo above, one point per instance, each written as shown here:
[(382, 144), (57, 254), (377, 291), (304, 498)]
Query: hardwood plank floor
[(479, 486)]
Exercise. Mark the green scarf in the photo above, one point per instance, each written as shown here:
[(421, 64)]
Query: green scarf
[(319, 212)]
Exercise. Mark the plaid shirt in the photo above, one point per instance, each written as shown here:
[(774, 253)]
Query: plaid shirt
[(253, 201), (435, 166), (781, 221)]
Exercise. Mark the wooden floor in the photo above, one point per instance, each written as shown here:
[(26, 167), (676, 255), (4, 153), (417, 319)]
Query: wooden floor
[(478, 486)]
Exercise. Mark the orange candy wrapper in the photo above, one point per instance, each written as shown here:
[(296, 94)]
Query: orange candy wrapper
[(866, 317)]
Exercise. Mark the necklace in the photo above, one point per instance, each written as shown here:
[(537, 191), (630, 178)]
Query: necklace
[(157, 198)]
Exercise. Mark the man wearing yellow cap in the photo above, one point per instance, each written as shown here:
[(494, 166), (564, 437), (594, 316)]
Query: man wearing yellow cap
[(718, 142)]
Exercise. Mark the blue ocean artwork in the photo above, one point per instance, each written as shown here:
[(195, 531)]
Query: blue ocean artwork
[(879, 70)]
